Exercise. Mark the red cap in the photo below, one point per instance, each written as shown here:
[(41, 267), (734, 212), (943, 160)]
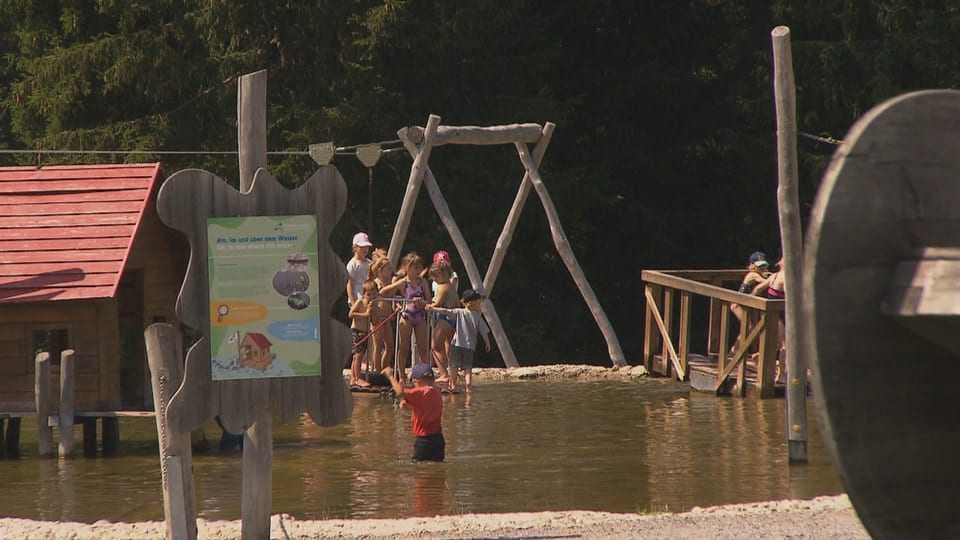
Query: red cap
[(441, 256)]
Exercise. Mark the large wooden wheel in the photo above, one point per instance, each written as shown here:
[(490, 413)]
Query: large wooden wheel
[(881, 279)]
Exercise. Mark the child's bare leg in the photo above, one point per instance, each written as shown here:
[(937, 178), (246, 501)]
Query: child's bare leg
[(404, 349), (439, 346), (420, 331), (355, 368), (468, 378), (454, 375), (388, 350)]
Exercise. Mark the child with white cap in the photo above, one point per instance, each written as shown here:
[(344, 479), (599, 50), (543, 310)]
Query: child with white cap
[(358, 267)]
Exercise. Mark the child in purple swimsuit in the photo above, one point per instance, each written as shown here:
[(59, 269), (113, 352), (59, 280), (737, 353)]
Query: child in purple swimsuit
[(413, 319)]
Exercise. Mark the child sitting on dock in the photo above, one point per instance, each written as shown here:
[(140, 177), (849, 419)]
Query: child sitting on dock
[(426, 403), (360, 328), (469, 322)]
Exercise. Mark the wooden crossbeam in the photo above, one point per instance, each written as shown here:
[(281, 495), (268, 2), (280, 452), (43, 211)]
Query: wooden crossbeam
[(668, 344), (740, 355)]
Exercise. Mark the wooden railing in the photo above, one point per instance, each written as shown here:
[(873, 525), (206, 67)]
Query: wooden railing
[(664, 290)]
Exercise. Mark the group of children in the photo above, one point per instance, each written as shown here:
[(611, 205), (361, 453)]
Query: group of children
[(376, 293), (373, 289)]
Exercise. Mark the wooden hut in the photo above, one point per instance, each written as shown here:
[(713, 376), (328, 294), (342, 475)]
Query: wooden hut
[(85, 264)]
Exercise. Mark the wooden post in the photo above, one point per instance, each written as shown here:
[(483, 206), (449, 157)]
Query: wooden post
[(788, 202), (570, 260), (724, 338), (41, 393), (684, 345), (651, 334), (506, 235), (469, 264), (89, 436), (769, 346), (3, 446), (67, 376), (257, 462), (165, 357), (251, 125), (12, 439), (417, 171), (257, 478), (110, 435)]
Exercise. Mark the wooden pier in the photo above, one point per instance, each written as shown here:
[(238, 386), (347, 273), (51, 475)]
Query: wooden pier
[(673, 298)]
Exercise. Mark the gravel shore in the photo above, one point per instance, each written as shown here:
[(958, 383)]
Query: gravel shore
[(823, 517)]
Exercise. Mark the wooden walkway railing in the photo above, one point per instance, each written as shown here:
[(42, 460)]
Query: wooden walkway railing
[(669, 354)]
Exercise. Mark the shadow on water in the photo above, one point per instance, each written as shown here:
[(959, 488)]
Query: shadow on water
[(517, 446)]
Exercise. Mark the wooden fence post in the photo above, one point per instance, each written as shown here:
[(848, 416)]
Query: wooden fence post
[(165, 358), (67, 376), (788, 203), (41, 394)]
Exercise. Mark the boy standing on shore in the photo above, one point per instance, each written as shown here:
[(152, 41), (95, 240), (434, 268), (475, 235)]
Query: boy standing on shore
[(469, 323), (426, 403)]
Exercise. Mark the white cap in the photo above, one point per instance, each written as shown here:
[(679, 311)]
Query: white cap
[(361, 239)]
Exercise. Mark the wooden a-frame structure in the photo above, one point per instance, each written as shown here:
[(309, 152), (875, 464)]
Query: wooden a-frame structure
[(419, 141)]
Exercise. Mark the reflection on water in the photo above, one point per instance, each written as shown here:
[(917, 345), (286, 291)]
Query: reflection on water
[(527, 446)]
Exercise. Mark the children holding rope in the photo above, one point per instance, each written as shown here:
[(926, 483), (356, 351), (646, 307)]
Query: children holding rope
[(358, 267), (360, 326), (381, 273), (469, 322), (444, 295), (413, 320)]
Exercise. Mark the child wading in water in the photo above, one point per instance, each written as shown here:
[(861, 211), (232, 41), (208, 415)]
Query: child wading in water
[(413, 318), (425, 401), (360, 328), (469, 323)]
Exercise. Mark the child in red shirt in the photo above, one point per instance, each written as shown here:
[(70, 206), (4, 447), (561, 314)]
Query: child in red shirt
[(425, 401)]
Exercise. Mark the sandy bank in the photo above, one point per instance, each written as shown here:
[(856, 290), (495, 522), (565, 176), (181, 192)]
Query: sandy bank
[(823, 517)]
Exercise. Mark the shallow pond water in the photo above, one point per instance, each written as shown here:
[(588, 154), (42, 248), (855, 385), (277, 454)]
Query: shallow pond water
[(513, 446)]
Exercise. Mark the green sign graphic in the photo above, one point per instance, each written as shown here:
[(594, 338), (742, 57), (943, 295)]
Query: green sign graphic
[(264, 318)]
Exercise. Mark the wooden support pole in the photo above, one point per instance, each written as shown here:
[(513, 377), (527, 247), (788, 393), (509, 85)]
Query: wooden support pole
[(788, 202), (89, 436), (506, 235), (3, 446), (417, 171), (67, 377), (257, 478), (41, 393), (684, 345), (651, 334), (570, 260), (12, 439), (110, 435), (470, 265), (165, 358), (251, 125)]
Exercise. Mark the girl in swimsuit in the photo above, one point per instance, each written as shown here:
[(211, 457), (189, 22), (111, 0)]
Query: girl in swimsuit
[(381, 272), (444, 325), (413, 318)]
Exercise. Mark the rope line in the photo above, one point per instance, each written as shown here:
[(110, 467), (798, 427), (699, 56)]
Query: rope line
[(340, 151), (828, 140)]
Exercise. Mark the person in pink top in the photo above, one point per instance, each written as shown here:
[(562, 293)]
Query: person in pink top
[(426, 404)]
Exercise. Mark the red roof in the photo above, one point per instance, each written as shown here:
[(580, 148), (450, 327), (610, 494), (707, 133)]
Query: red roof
[(66, 231)]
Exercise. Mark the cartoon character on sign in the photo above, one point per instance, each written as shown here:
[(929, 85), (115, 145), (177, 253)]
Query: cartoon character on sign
[(254, 351)]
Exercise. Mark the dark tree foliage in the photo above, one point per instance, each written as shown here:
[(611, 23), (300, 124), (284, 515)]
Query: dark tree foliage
[(664, 154)]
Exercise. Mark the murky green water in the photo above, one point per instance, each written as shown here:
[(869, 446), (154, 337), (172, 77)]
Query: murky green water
[(640, 446)]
